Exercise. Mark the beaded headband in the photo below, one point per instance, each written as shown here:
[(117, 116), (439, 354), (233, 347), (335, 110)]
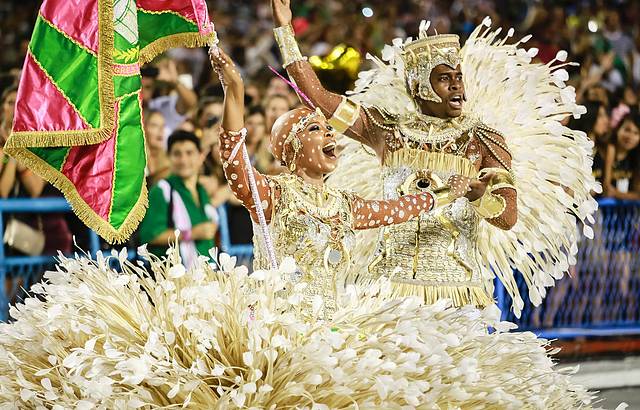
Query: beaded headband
[(300, 125)]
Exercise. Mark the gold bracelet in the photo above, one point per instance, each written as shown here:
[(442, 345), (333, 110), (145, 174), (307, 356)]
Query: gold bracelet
[(289, 49), (489, 206), (345, 115)]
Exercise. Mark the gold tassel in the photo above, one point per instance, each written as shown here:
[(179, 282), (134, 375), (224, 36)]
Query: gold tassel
[(434, 161), (161, 45), (459, 295)]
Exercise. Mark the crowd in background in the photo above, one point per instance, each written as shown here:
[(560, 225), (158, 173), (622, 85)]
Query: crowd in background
[(181, 92)]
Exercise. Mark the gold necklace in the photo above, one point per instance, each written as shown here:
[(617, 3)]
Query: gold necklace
[(324, 203), (425, 129)]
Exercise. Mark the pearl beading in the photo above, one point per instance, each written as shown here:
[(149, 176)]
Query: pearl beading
[(483, 136)]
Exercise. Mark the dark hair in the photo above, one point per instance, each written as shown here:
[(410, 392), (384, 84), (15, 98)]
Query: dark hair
[(634, 154), (212, 90), (587, 121), (182, 136), (149, 71), (634, 117), (255, 109)]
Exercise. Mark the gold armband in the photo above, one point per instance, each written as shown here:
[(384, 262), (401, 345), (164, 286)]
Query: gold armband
[(289, 49), (501, 179), (489, 206), (345, 115)]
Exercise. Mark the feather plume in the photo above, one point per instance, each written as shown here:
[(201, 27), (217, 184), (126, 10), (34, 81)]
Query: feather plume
[(94, 337)]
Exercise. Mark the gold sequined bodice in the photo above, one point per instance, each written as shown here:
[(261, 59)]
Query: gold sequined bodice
[(314, 226), (437, 253)]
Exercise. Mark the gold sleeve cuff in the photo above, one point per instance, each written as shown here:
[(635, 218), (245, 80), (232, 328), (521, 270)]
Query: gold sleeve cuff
[(345, 115), (489, 206), (495, 187), (441, 197), (502, 177), (289, 49)]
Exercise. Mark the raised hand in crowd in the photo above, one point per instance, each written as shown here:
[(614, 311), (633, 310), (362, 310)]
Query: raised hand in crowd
[(204, 230), (187, 98)]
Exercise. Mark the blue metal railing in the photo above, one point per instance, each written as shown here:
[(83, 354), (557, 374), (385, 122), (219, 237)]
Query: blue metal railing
[(24, 269), (601, 299)]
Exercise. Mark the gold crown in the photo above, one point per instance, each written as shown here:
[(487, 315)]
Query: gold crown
[(422, 55), (433, 47)]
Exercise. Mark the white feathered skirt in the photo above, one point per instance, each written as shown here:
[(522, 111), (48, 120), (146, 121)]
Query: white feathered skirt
[(91, 337)]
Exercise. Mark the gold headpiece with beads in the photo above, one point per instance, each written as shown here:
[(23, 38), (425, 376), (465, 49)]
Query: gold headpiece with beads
[(422, 55), (294, 140)]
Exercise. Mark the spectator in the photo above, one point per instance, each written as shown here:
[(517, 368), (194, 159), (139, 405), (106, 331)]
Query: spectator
[(257, 144), (621, 43), (252, 93), (635, 58), (274, 106), (622, 167), (280, 88), (157, 162), (177, 103), (208, 121), (213, 178), (6, 117), (180, 202), (15, 177), (595, 123), (17, 181), (209, 112)]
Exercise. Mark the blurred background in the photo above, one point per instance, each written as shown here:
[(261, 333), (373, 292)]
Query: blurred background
[(593, 315)]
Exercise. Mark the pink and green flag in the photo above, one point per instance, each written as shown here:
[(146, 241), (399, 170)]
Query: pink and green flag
[(78, 118)]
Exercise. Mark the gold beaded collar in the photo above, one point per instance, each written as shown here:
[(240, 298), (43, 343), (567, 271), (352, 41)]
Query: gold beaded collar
[(424, 129)]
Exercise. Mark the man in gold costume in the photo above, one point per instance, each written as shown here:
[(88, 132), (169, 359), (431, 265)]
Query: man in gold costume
[(434, 256)]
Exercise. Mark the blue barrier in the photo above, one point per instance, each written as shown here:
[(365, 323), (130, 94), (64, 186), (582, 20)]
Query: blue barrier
[(25, 269), (600, 299), (601, 296)]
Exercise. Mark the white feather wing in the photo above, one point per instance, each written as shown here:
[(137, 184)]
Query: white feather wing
[(526, 102)]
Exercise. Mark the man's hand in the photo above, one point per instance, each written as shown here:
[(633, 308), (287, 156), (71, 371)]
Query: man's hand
[(204, 230), (477, 187), (281, 10)]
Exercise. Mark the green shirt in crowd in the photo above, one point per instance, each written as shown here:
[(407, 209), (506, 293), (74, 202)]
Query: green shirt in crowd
[(156, 221)]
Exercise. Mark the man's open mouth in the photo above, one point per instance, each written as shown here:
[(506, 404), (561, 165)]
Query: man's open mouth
[(456, 102)]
